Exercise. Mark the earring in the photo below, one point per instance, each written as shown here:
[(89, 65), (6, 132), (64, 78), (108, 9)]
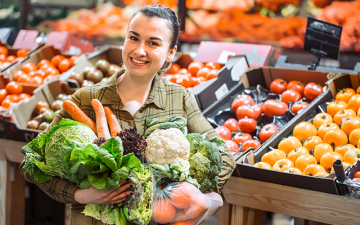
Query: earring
[(168, 59)]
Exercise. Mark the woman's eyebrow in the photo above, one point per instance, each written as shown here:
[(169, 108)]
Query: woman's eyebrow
[(151, 38)]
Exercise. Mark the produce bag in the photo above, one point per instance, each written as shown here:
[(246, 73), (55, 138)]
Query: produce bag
[(181, 201)]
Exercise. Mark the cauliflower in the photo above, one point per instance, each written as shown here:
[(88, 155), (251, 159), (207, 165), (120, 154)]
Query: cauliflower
[(167, 146)]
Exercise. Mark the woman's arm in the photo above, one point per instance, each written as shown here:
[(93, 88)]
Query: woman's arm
[(197, 123)]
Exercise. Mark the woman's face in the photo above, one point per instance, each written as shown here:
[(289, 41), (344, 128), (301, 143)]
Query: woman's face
[(147, 46)]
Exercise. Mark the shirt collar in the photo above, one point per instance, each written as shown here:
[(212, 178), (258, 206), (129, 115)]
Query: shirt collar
[(110, 94)]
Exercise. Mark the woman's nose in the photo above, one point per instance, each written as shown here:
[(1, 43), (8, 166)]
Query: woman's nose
[(140, 50)]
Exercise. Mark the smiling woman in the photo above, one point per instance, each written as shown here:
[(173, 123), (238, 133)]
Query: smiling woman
[(134, 94)]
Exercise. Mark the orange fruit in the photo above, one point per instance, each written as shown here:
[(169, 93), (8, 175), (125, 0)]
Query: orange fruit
[(4, 51), (3, 94), (354, 103), (13, 97), (345, 94), (45, 66), (24, 78), (194, 67), (283, 164), (351, 156), (213, 65), (321, 149), (200, 205), (64, 65), (312, 141), (51, 71), (174, 68), (22, 53), (321, 118), (342, 149), (36, 80), (293, 170), (212, 74), (273, 156), (72, 60), (354, 136), (24, 96), (335, 138), (28, 67), (2, 58), (313, 169), (345, 165), (303, 161), (321, 174), (17, 75), (335, 106), (10, 58), (183, 71), (203, 72), (163, 211), (43, 62), (7, 103), (288, 144), (263, 165), (341, 116), (326, 127), (182, 195), (13, 87), (350, 124), (304, 130), (56, 60), (328, 159), (294, 154)]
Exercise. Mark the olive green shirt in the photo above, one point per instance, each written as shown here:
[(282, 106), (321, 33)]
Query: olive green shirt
[(165, 99)]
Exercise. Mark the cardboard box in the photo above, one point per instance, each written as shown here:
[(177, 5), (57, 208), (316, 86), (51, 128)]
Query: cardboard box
[(245, 168), (21, 113), (257, 55)]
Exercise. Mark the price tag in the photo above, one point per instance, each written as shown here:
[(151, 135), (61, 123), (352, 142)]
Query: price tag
[(74, 50), (219, 93), (224, 56), (346, 119)]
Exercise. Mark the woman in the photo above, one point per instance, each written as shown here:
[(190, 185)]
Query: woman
[(134, 94)]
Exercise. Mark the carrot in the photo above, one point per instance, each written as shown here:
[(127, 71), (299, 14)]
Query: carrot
[(101, 122), (112, 121), (78, 115)]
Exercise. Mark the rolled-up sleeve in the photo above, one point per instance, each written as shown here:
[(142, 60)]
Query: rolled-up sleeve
[(197, 123)]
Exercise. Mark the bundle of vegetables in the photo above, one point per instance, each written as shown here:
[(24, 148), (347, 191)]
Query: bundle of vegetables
[(173, 121)]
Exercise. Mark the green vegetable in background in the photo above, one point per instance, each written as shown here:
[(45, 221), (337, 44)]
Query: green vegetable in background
[(205, 160), (173, 121)]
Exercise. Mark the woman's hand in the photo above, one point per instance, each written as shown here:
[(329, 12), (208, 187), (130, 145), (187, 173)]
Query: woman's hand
[(96, 196)]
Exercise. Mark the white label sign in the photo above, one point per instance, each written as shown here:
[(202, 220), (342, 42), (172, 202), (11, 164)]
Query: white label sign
[(219, 93), (224, 55)]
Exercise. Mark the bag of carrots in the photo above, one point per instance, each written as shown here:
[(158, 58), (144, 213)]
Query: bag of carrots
[(183, 202)]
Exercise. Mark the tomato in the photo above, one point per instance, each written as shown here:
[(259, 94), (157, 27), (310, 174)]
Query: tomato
[(184, 81), (203, 72), (213, 65), (7, 103), (290, 96), (342, 149), (335, 106), (51, 71), (224, 132), (22, 52), (283, 164), (335, 138), (312, 142), (288, 144), (10, 58), (267, 132), (4, 51), (13, 97), (312, 90), (304, 130), (303, 161), (13, 87), (273, 156), (240, 100), (241, 137), (278, 86), (351, 156), (321, 118), (321, 149), (313, 169), (328, 159), (263, 165), (28, 67), (24, 96), (232, 145), (297, 106), (345, 166), (254, 111), (194, 81), (3, 59), (183, 71), (354, 103), (293, 170), (232, 125), (40, 105), (212, 74), (354, 136), (251, 145), (296, 86), (342, 116), (345, 94), (36, 80), (72, 59), (174, 68), (294, 154), (64, 65), (358, 90), (17, 75), (325, 127), (194, 67), (3, 94), (350, 124), (274, 108), (247, 125), (56, 60), (357, 174)]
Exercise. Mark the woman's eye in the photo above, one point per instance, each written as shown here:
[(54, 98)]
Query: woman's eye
[(154, 43), (133, 38)]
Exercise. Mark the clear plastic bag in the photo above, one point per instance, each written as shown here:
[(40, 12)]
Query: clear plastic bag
[(353, 187), (181, 201)]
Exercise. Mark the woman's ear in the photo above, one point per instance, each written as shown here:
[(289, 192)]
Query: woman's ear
[(171, 54)]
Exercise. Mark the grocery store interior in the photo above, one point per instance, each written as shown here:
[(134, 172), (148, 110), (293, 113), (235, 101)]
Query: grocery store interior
[(277, 80)]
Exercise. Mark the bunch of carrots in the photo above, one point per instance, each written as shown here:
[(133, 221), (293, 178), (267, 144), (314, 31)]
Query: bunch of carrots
[(104, 117)]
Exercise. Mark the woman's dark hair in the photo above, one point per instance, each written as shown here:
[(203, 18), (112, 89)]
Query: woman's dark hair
[(163, 13)]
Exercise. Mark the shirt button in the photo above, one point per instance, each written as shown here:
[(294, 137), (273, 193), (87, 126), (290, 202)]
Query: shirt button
[(140, 110)]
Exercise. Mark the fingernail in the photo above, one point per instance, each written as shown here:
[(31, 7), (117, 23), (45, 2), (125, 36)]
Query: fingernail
[(131, 185)]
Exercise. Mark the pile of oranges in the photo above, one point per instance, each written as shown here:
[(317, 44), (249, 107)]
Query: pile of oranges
[(6, 59), (196, 73), (332, 135), (36, 74), (11, 95)]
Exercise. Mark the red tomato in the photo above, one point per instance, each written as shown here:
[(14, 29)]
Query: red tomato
[(251, 145), (290, 96), (267, 131), (203, 72), (296, 86), (7, 103), (254, 111), (240, 100), (241, 137), (247, 125), (213, 65), (3, 94), (232, 145), (297, 106), (174, 68), (312, 90), (194, 67), (13, 97), (13, 87), (223, 132), (357, 174), (274, 108), (212, 74), (232, 125), (278, 86)]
